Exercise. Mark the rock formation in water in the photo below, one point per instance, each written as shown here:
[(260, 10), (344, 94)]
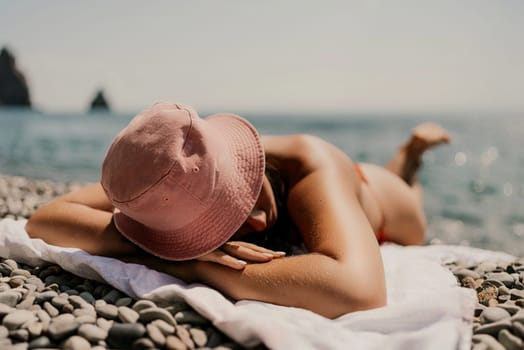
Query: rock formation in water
[(13, 87), (99, 102)]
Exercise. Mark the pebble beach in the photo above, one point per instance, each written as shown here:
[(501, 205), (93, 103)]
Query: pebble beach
[(47, 307)]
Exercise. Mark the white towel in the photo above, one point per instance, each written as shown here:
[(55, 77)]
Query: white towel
[(426, 308)]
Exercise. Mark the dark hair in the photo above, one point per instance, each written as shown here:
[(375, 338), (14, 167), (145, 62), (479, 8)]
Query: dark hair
[(280, 236)]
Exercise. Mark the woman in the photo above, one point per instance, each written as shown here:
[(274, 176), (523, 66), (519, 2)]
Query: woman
[(182, 194)]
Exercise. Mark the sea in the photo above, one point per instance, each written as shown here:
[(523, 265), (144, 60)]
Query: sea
[(474, 187)]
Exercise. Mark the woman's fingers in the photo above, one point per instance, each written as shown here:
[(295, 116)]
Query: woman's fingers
[(249, 251), (219, 257)]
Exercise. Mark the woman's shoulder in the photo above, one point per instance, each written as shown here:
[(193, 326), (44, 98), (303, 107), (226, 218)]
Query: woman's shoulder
[(305, 152)]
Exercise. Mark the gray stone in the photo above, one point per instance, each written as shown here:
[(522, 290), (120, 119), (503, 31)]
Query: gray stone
[(142, 344), (503, 277), (103, 323), (518, 317), (92, 332), (494, 328), (127, 315), (518, 329), (27, 301), (112, 296), (148, 315), (510, 308), (493, 314), (184, 335), (108, 311), (20, 272), (43, 316), (516, 294), (10, 298), (164, 327), (40, 343), (3, 332), (486, 266), (174, 343), (125, 301), (17, 318), (5, 269), (11, 263), (156, 335), (50, 309), (85, 312), (86, 319), (64, 317), (5, 309), (199, 336), (59, 302), (124, 334), (191, 317), (21, 335), (45, 296), (62, 329), (18, 346), (509, 341), (88, 297), (76, 343), (143, 304), (35, 329), (77, 301), (461, 273)]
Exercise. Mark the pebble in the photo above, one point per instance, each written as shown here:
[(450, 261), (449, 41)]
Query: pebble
[(59, 301), (174, 343), (104, 324), (123, 334), (490, 342), (493, 314), (164, 327), (486, 294), (142, 344), (516, 294), (17, 318), (10, 298), (76, 343), (509, 341), (127, 315), (50, 309), (461, 273), (143, 304), (518, 329), (494, 327), (191, 317), (148, 315), (5, 309), (125, 301), (3, 332), (156, 335), (106, 311), (35, 329), (62, 329), (40, 342), (88, 297), (21, 335), (503, 277), (199, 336), (86, 319), (510, 308), (184, 335), (92, 332), (112, 296)]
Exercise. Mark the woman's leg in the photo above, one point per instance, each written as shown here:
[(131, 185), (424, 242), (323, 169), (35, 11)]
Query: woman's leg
[(408, 159)]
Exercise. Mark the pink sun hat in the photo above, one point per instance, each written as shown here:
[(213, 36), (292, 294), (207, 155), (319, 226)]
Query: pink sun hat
[(183, 185)]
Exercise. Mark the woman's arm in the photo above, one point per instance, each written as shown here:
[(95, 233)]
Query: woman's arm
[(344, 270), (81, 219)]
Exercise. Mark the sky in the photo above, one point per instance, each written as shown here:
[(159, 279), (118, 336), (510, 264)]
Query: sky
[(271, 56)]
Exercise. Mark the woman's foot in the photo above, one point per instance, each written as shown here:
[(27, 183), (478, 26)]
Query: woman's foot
[(408, 159)]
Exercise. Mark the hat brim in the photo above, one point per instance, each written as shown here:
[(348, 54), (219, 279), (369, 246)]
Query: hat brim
[(230, 208)]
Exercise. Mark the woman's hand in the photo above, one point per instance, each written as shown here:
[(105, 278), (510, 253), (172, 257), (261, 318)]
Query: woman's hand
[(235, 254)]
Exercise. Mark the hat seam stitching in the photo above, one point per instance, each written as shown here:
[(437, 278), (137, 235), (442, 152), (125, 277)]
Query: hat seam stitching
[(162, 178)]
